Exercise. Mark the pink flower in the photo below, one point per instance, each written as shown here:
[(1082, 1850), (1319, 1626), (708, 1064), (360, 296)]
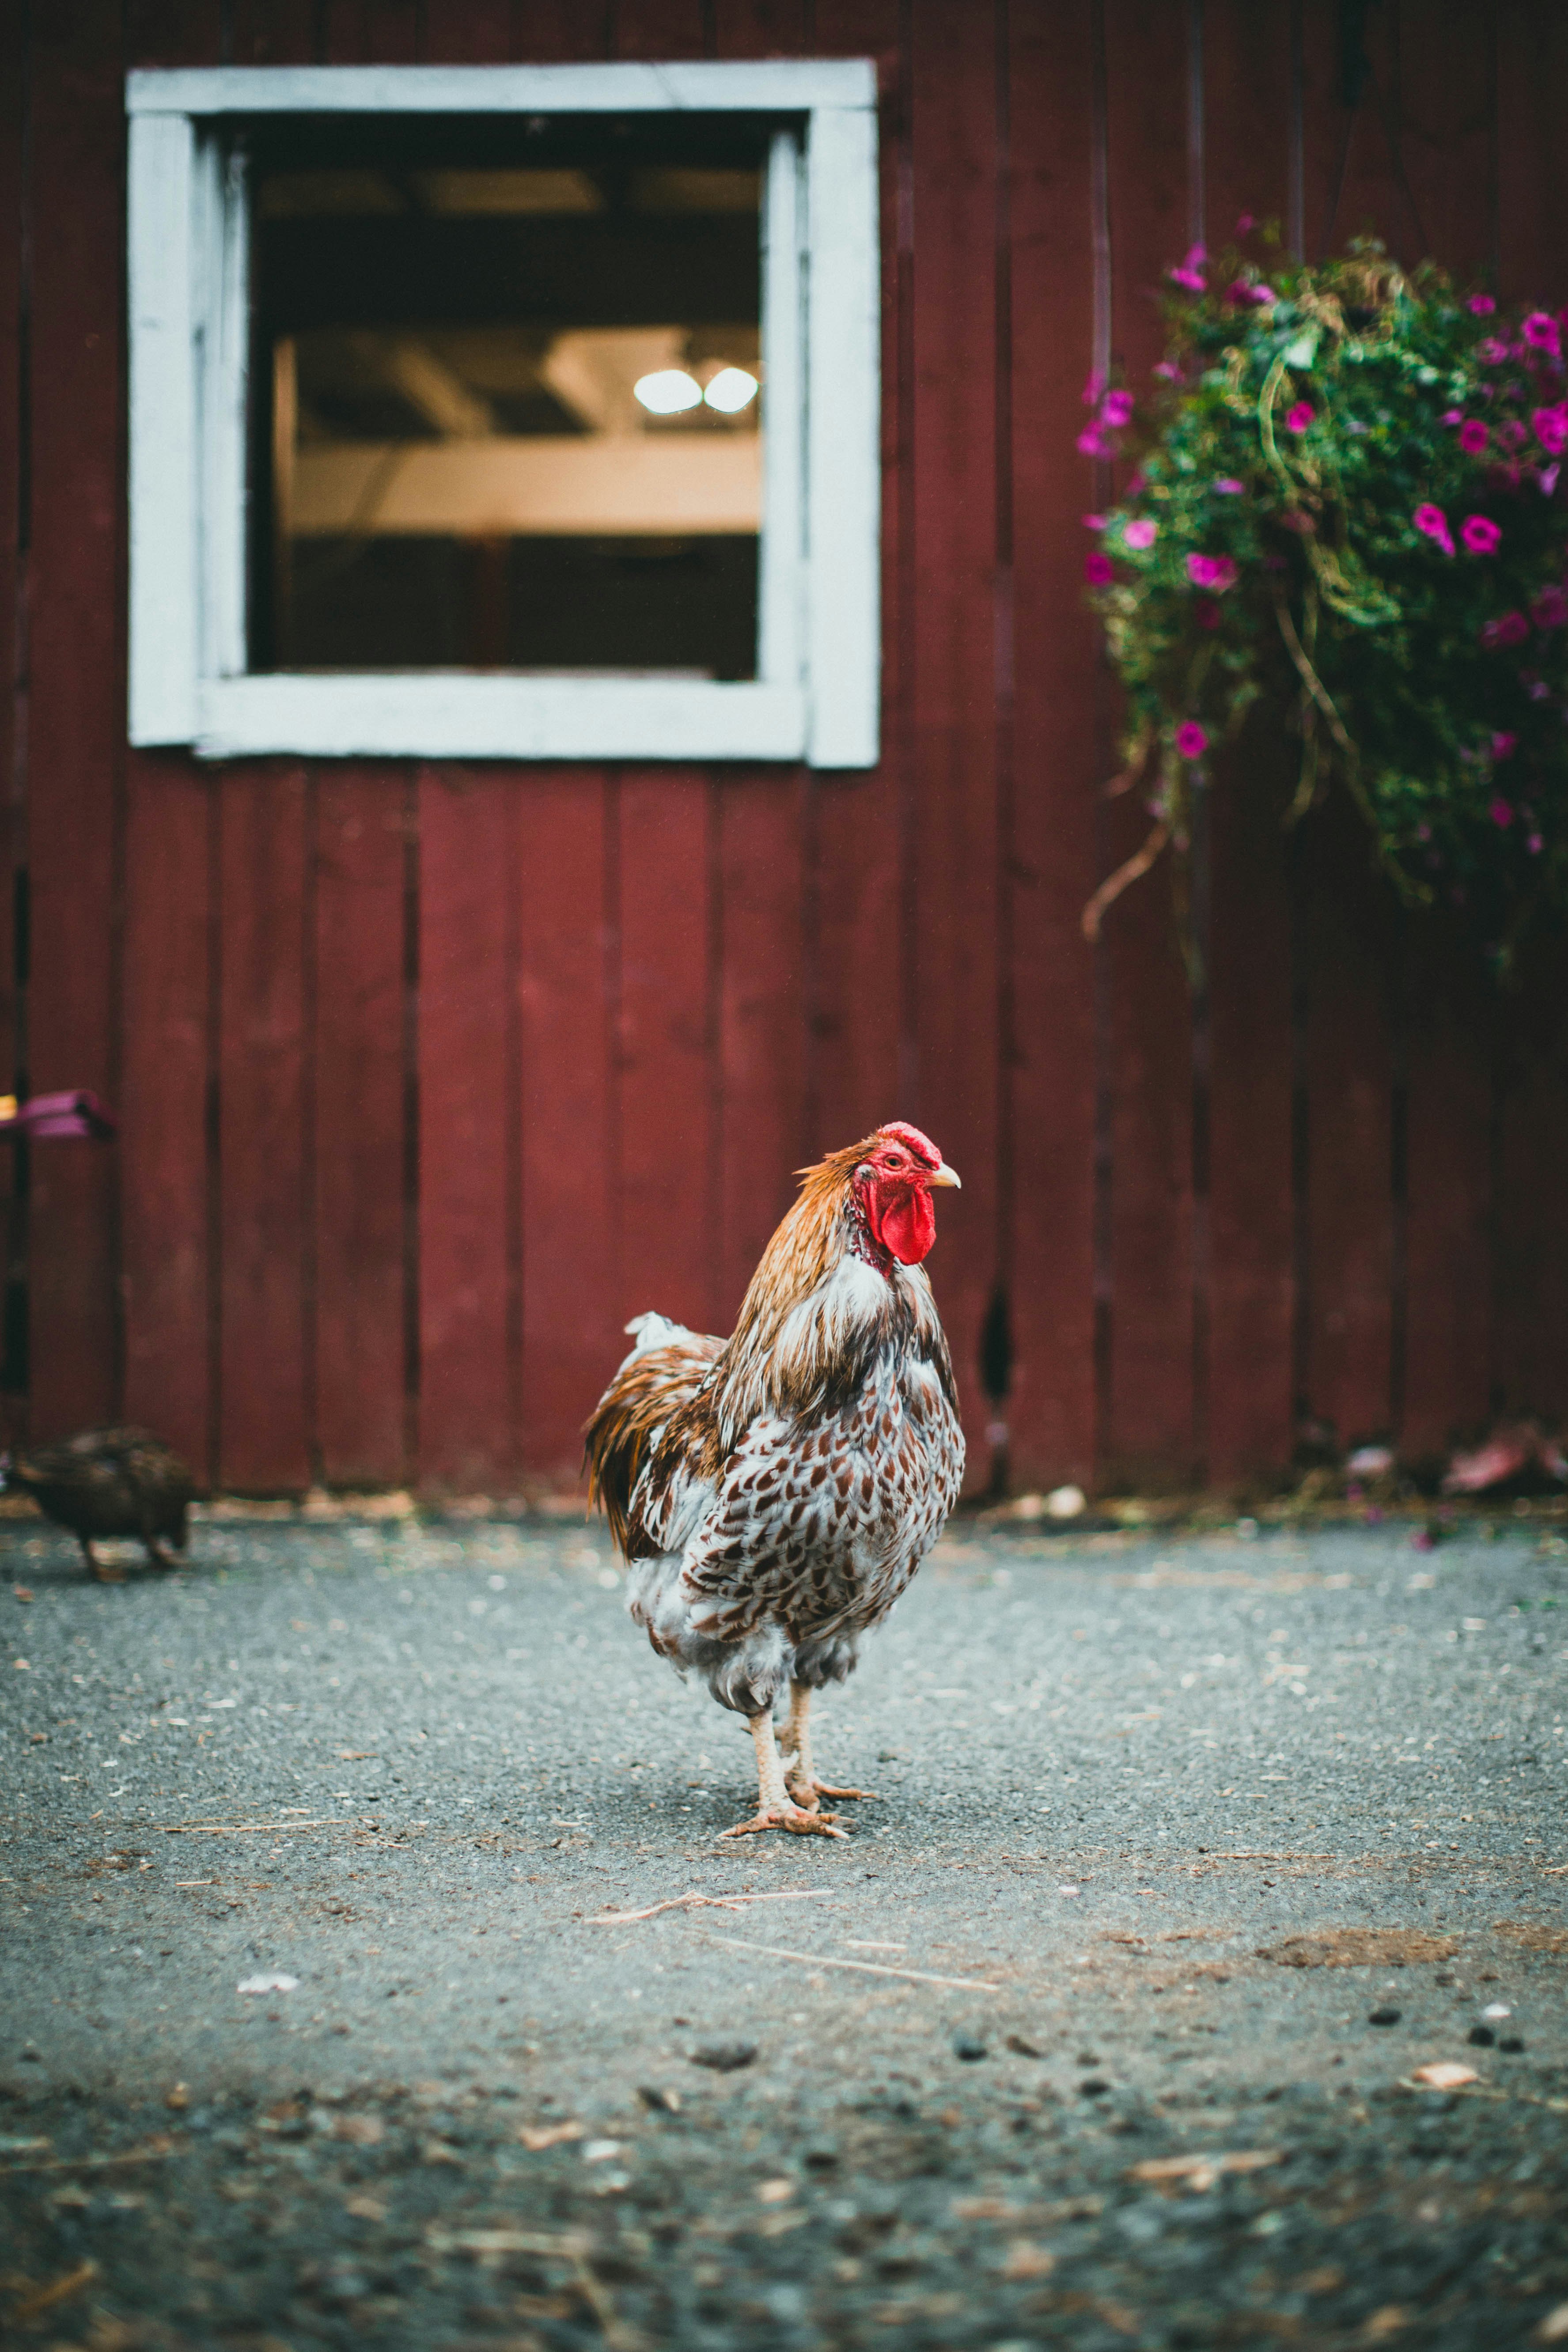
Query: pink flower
[(1094, 522), (1502, 815), (1141, 532), (1511, 433), (1452, 416), (1098, 570), (1541, 330), (1509, 629), (1194, 280), (1479, 536), (1244, 222), (1136, 485), (1094, 385), (1492, 352), (1169, 370), (1546, 479), (1089, 444), (1549, 609), (1504, 745), (1433, 524), (1116, 409), (1535, 845), (1473, 436), (1194, 257), (1297, 419), (1215, 571), (1552, 429), (1191, 741), (1482, 304)]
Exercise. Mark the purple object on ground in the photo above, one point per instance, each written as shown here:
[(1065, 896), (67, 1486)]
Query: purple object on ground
[(74, 1115)]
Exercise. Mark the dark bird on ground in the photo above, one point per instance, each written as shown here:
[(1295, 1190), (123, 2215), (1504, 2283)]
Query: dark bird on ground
[(774, 1492), (110, 1482)]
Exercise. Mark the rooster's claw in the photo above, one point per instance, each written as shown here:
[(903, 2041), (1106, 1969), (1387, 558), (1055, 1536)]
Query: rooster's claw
[(788, 1817)]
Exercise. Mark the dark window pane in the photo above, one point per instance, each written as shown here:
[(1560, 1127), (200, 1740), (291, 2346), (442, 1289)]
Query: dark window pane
[(511, 412)]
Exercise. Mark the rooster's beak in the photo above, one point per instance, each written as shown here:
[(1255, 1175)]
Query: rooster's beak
[(946, 1175)]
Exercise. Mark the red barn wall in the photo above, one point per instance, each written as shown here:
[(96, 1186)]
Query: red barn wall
[(432, 1075)]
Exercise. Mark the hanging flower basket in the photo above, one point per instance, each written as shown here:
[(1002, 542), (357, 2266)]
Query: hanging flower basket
[(1345, 504)]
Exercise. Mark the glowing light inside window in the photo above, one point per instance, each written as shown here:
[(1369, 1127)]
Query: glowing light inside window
[(730, 391), (668, 391)]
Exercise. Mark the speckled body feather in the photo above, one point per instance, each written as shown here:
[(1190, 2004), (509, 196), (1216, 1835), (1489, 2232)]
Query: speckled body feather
[(775, 1492)]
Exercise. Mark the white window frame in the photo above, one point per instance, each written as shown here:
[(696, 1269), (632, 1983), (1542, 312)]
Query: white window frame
[(816, 694)]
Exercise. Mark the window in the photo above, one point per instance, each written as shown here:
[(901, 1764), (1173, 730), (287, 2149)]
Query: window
[(473, 412)]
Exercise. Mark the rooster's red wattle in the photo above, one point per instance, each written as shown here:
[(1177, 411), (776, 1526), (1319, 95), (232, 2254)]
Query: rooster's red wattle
[(774, 1492)]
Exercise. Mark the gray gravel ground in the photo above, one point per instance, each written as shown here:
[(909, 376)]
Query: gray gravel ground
[(1126, 1788)]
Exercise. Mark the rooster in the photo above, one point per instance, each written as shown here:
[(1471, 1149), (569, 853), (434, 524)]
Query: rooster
[(108, 1482), (774, 1493)]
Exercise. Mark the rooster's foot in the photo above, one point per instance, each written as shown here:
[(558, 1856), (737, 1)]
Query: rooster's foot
[(796, 1819), (806, 1792)]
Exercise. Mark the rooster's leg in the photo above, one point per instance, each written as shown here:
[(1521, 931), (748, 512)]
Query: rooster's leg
[(776, 1809), (100, 1569), (803, 1784)]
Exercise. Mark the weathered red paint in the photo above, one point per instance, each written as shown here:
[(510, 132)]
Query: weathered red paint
[(429, 1076)]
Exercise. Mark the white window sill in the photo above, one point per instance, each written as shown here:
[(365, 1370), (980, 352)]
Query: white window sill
[(467, 715)]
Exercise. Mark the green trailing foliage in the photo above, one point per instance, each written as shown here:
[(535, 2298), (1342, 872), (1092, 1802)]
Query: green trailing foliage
[(1344, 503)]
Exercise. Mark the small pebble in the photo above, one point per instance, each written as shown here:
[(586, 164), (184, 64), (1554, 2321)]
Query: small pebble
[(965, 2046), (1511, 2043), (1391, 2017), (1482, 2036), (1017, 2042), (724, 2057), (1093, 2086)]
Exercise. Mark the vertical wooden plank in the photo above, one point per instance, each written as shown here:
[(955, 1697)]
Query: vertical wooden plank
[(76, 729), (359, 849), (952, 953), (1050, 1412), (573, 1310), (467, 1093), (668, 1214), (15, 453), (1247, 73), (164, 1131), (858, 826), (266, 918), (1451, 1013), (1151, 1435), (761, 1034), (1531, 1274), (1447, 128)]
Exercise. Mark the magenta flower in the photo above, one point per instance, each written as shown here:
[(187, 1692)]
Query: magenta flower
[(1541, 330), (1535, 845), (1141, 532), (1546, 479), (1227, 486), (1244, 222), (1552, 429), (1136, 485), (1504, 745), (1094, 522), (1215, 571), (1194, 280), (1482, 304), (1479, 536), (1549, 609), (1513, 435), (1116, 409), (1098, 570), (1452, 416), (1297, 419), (1169, 370), (1502, 815), (1509, 629), (1433, 524), (1191, 741), (1473, 436), (1492, 352), (1089, 444)]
